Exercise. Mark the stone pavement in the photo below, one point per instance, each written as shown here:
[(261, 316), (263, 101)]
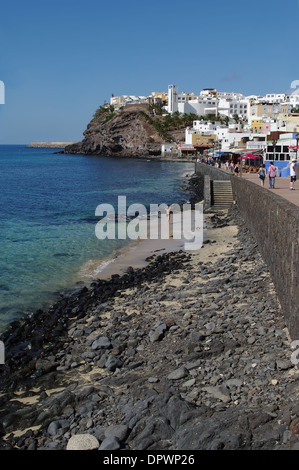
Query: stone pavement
[(282, 186)]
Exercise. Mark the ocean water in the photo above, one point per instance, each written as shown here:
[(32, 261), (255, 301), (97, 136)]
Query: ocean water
[(47, 217)]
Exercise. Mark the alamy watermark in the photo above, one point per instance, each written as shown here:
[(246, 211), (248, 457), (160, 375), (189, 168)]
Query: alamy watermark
[(2, 353), (2, 92), (162, 222), (295, 87)]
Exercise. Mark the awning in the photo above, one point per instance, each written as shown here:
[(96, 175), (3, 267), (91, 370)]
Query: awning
[(250, 157), (245, 151)]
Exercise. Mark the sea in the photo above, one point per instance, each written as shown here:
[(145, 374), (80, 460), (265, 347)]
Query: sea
[(48, 217)]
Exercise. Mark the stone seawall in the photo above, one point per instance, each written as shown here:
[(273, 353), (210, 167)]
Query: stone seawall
[(212, 172), (274, 223)]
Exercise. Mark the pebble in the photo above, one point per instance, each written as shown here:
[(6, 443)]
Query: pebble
[(177, 374), (83, 442), (134, 364), (110, 443)]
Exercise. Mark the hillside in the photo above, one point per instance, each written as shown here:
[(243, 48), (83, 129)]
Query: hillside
[(132, 132)]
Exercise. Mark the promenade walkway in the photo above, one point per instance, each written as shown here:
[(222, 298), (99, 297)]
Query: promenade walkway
[(282, 186)]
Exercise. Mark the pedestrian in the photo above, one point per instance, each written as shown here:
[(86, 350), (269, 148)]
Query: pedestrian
[(293, 174), (272, 175), (232, 166), (236, 169), (262, 174)]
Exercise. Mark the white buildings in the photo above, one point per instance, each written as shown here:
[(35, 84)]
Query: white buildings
[(276, 98), (234, 106), (118, 101), (186, 103), (200, 106)]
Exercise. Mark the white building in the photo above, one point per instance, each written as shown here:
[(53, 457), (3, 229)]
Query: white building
[(231, 106), (172, 105), (118, 101), (205, 126), (276, 98), (294, 100), (200, 106), (233, 140)]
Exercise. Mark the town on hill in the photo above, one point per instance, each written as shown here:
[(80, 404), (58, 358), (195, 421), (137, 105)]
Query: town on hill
[(212, 124)]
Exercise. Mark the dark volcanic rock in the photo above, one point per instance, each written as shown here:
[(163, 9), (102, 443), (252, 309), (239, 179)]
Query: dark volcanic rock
[(188, 353), (126, 134)]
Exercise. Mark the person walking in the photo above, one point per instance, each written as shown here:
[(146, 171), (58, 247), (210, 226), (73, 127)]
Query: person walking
[(293, 174), (272, 175), (237, 169), (262, 174)]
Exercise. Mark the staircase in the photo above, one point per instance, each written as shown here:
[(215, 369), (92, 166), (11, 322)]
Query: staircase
[(222, 195)]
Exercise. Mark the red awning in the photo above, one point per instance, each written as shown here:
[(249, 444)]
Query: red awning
[(250, 157)]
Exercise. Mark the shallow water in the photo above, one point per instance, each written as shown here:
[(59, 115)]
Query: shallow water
[(47, 217)]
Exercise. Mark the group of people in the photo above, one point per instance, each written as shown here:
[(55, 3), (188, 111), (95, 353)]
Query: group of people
[(262, 172), (272, 173)]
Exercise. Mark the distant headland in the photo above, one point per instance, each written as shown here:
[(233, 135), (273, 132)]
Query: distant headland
[(49, 145)]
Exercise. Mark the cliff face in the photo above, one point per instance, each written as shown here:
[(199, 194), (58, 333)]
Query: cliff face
[(125, 134)]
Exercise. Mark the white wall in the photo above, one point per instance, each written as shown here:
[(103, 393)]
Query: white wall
[(172, 99)]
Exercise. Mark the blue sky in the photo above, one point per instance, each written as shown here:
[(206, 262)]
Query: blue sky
[(61, 60)]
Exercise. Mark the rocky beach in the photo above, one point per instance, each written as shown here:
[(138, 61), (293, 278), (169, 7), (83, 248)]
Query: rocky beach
[(189, 352)]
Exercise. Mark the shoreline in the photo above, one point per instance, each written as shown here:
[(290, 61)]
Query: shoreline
[(83, 274), (183, 351), (178, 355)]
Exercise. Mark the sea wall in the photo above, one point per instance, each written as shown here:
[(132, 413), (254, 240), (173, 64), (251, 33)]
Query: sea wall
[(207, 174), (274, 223), (214, 173)]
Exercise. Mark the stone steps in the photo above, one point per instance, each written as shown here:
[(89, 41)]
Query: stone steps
[(222, 195)]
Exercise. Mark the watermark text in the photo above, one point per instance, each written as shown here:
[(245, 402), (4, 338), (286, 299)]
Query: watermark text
[(2, 353), (162, 222)]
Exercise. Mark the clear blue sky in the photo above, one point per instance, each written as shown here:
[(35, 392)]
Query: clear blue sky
[(60, 60)]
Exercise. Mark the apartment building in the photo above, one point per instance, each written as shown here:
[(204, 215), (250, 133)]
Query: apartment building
[(277, 98), (234, 106)]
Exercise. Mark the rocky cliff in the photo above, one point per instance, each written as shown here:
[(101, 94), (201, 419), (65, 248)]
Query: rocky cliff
[(128, 133)]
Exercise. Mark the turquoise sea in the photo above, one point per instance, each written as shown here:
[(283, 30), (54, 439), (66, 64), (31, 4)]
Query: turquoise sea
[(47, 217)]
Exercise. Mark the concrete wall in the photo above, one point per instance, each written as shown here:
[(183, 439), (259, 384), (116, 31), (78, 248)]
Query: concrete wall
[(208, 174), (274, 223), (212, 172)]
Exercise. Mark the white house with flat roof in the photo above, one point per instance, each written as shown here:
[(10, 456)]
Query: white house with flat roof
[(276, 98), (200, 106)]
